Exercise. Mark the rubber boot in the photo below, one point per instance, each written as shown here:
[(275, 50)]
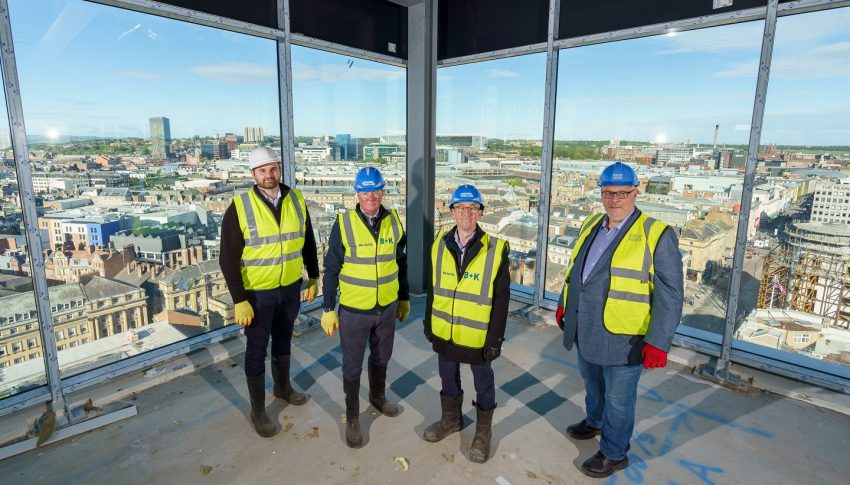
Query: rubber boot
[(282, 387), (377, 390), (263, 425), (480, 450), (450, 422), (353, 436)]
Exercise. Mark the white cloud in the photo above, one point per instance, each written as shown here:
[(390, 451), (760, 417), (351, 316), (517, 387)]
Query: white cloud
[(500, 73), (128, 32), (139, 75), (236, 72), (335, 73)]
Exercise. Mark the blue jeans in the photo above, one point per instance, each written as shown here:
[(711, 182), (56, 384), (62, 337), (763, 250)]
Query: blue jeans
[(610, 403)]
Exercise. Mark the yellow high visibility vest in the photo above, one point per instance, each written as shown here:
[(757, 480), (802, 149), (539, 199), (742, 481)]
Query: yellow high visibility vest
[(632, 269), (272, 254), (369, 274), (462, 303)]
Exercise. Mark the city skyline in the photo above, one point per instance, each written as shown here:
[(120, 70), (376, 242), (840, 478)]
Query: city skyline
[(662, 88)]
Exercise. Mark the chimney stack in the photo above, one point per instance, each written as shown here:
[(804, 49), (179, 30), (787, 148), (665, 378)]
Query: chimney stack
[(716, 130)]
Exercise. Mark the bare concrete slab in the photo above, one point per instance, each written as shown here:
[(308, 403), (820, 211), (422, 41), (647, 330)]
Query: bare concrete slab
[(194, 429)]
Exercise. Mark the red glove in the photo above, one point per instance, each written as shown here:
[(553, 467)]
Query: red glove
[(559, 317), (653, 357)]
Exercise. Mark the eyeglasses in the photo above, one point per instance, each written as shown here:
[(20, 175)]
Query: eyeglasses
[(607, 194), (466, 209)]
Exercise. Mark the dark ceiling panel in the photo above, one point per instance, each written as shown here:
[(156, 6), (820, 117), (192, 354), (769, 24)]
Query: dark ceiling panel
[(583, 17), (364, 24), (260, 12), (468, 27)]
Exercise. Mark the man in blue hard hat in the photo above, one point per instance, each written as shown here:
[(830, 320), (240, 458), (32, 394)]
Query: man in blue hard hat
[(621, 304), (266, 241), (466, 315), (367, 262)]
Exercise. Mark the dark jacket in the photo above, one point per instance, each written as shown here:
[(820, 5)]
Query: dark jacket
[(336, 255), (232, 244), (583, 317), (498, 314)]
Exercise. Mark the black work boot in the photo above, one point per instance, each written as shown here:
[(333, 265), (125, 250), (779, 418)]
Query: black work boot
[(282, 387), (377, 388), (599, 466), (450, 422), (353, 436), (582, 430), (263, 425), (480, 450)]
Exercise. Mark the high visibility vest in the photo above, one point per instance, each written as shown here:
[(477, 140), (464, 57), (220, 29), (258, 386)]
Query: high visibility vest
[(626, 310), (369, 274), (462, 303), (272, 254)]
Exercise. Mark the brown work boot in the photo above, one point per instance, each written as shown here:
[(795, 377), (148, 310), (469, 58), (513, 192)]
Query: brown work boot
[(450, 422), (480, 450)]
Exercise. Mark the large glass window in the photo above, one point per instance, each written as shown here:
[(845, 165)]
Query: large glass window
[(21, 348), (348, 113), (677, 108), (138, 129), (489, 134), (797, 263)]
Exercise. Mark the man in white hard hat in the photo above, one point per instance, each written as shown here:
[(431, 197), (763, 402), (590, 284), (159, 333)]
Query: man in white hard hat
[(266, 241)]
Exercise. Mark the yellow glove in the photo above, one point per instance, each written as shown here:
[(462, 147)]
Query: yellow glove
[(330, 322), (311, 290), (402, 310), (244, 313)]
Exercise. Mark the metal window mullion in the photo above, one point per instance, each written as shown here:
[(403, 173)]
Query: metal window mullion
[(284, 77), (749, 178), (23, 170), (547, 152)]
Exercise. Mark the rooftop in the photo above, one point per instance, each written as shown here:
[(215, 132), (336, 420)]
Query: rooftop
[(687, 429)]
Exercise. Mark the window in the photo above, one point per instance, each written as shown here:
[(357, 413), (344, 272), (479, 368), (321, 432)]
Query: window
[(489, 119), (31, 343)]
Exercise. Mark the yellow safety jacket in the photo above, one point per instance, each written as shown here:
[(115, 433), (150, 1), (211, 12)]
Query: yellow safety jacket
[(462, 303), (632, 269), (369, 274), (272, 254)]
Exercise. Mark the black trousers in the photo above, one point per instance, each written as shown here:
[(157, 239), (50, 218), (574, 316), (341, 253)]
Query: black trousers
[(482, 378), (274, 316), (356, 330)]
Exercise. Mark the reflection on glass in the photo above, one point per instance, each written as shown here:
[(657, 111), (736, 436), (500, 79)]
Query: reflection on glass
[(489, 119), (677, 109), (21, 348), (138, 129), (798, 255), (348, 113)]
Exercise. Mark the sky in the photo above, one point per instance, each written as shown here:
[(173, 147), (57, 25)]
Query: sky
[(90, 70)]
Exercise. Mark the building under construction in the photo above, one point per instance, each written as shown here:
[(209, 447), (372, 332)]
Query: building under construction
[(810, 272)]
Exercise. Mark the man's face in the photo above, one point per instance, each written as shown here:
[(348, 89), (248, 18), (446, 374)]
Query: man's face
[(466, 215), (616, 207), (267, 176), (370, 201)]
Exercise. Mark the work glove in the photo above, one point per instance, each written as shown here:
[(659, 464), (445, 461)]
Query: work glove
[(491, 352), (330, 322), (559, 317), (244, 313), (311, 290), (402, 310), (653, 357)]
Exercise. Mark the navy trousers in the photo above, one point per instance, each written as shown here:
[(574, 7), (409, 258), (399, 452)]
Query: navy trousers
[(482, 377), (358, 329), (274, 316)]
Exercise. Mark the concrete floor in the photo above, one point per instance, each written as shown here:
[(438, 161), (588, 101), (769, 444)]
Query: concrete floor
[(194, 429)]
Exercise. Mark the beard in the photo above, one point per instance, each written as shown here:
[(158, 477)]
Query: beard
[(268, 183)]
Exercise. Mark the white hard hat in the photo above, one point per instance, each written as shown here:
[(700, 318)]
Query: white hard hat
[(262, 156)]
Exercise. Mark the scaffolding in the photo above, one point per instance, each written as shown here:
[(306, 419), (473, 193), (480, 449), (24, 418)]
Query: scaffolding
[(810, 272)]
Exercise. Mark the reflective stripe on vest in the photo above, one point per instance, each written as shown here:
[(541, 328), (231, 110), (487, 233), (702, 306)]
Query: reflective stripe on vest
[(369, 274), (272, 254), (627, 307), (462, 303)]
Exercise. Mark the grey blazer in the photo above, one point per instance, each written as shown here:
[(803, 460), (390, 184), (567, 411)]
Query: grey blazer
[(586, 301)]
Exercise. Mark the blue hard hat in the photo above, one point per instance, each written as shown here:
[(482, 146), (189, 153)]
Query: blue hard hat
[(618, 173), (368, 179), (466, 193)]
